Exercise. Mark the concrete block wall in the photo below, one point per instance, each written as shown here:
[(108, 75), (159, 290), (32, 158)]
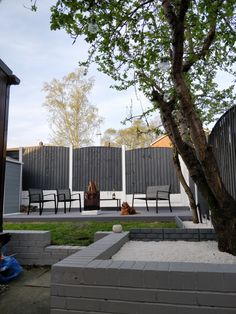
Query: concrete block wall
[(89, 281), (172, 234), (34, 248)]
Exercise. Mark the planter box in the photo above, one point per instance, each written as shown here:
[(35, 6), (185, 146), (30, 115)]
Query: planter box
[(91, 282)]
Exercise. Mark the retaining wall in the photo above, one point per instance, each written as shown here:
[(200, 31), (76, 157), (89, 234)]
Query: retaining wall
[(171, 234), (34, 248), (90, 282)]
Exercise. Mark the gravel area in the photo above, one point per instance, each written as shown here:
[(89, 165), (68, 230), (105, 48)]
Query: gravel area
[(191, 225), (174, 251)]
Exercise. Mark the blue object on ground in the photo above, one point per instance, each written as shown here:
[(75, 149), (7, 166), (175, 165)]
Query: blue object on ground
[(9, 269)]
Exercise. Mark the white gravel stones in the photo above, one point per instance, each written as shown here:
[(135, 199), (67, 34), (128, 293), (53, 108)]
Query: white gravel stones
[(174, 251)]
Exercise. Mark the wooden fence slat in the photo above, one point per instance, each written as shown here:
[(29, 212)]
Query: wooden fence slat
[(223, 142)]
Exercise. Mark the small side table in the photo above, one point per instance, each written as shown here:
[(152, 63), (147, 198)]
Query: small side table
[(117, 200)]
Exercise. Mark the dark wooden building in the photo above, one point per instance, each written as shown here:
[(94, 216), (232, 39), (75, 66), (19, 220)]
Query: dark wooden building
[(6, 80)]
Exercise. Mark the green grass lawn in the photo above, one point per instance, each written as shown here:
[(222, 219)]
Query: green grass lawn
[(82, 233)]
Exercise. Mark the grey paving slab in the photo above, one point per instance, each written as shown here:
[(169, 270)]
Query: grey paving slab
[(28, 294), (163, 214)]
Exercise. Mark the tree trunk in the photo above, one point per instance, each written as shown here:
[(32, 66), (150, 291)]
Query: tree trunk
[(225, 228), (221, 204), (199, 159), (187, 189)]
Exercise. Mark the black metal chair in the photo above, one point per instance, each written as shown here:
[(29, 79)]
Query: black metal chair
[(36, 196), (155, 193), (66, 196)]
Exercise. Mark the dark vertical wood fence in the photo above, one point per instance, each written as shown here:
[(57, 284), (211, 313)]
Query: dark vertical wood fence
[(150, 166), (100, 164), (46, 167), (6, 79), (223, 141)]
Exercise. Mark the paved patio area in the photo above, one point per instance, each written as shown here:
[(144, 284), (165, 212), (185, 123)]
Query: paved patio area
[(106, 215), (28, 294)]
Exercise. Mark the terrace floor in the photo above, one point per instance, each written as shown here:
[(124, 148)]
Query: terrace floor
[(29, 293), (164, 214)]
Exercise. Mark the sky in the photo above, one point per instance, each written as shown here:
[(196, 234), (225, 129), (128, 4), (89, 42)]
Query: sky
[(36, 55)]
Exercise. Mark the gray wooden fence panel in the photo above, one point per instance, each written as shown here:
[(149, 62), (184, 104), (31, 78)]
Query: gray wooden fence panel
[(150, 166), (223, 141), (46, 167), (100, 164)]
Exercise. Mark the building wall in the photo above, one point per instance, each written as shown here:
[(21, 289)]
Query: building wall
[(162, 142), (12, 187)]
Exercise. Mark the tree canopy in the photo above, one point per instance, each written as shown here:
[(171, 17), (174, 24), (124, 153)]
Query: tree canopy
[(137, 135), (132, 42), (72, 118)]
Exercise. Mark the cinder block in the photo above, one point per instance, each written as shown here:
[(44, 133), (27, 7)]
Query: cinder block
[(154, 236), (156, 275), (133, 231), (58, 302), (140, 236), (226, 300), (169, 230), (192, 231), (157, 230), (229, 282), (177, 297), (100, 235), (129, 276), (145, 230), (84, 304), (171, 237), (132, 294), (66, 274), (210, 278), (182, 276)]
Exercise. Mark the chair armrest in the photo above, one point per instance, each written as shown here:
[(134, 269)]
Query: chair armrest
[(34, 194), (75, 194), (168, 192), (48, 194), (138, 196), (51, 194)]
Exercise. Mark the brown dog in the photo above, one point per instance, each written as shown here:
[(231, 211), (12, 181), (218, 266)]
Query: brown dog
[(127, 210)]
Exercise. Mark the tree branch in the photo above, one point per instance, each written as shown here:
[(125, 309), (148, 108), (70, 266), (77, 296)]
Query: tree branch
[(205, 48), (206, 43)]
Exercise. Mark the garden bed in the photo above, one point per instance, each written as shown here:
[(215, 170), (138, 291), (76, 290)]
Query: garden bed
[(90, 281)]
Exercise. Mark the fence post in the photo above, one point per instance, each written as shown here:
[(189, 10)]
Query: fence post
[(123, 173), (71, 167)]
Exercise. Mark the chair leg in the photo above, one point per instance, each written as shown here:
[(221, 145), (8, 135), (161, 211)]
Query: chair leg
[(64, 207), (40, 208), (70, 206), (56, 207), (170, 206), (157, 206), (147, 205), (28, 211), (133, 202), (80, 205)]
